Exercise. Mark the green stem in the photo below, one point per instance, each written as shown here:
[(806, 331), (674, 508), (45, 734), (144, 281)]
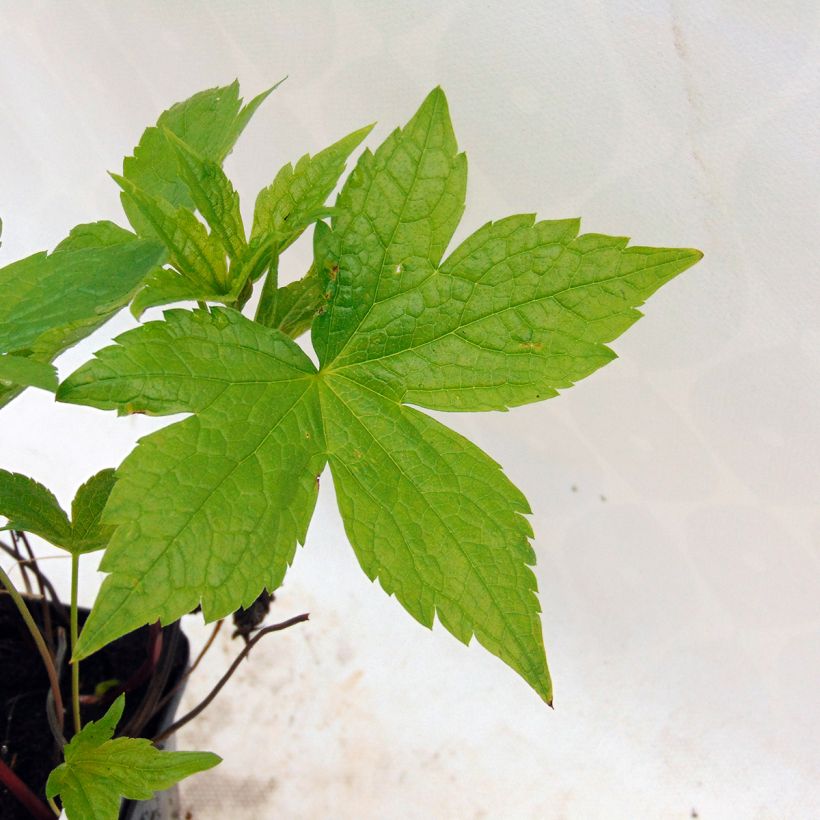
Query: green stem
[(75, 664), (266, 310), (39, 641), (54, 807)]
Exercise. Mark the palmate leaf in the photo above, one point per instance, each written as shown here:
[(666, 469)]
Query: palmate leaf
[(99, 771), (31, 507), (52, 301), (519, 311)]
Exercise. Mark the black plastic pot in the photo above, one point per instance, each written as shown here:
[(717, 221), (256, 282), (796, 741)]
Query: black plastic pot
[(26, 742)]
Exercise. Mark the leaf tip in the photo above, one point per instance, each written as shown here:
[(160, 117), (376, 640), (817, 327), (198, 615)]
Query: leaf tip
[(124, 183)]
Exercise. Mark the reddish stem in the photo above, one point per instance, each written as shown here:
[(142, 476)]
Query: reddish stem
[(25, 796)]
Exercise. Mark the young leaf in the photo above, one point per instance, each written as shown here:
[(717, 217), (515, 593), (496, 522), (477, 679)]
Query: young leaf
[(166, 285), (99, 771), (27, 372), (202, 274), (30, 506), (295, 197), (296, 305), (195, 253), (210, 122), (214, 197), (520, 310), (87, 533)]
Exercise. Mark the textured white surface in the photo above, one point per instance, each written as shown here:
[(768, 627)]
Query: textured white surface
[(675, 492)]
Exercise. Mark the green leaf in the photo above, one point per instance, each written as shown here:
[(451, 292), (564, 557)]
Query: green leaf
[(201, 273), (296, 196), (397, 210), (195, 253), (99, 771), (87, 533), (31, 507), (27, 372), (166, 285), (519, 311), (214, 196), (215, 364), (437, 522), (210, 122), (100, 234), (297, 304), (52, 301)]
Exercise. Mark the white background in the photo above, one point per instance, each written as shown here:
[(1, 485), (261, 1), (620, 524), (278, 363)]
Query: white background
[(675, 492)]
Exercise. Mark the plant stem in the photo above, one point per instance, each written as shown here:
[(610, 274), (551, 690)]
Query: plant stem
[(39, 641), (46, 609), (24, 795), (192, 668), (266, 309), (227, 676), (22, 564), (54, 807), (48, 586), (75, 664), (161, 656)]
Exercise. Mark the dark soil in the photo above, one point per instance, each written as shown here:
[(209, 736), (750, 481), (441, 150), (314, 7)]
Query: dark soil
[(26, 742)]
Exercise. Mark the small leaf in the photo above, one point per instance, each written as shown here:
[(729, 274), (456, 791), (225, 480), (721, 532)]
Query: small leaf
[(297, 305), (87, 533), (99, 771), (293, 307), (214, 196), (164, 286), (295, 197), (195, 253), (27, 372), (31, 507), (209, 122)]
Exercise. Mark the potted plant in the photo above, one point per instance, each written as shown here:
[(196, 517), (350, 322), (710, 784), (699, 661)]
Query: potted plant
[(208, 511)]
